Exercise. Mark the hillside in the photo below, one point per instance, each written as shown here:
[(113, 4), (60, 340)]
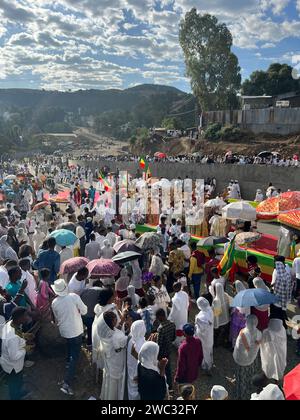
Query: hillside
[(89, 101)]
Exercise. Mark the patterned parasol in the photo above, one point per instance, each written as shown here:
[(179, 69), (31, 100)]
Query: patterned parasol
[(125, 246), (148, 241), (103, 268), (73, 265)]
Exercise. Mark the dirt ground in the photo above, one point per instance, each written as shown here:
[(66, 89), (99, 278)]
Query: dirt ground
[(250, 145), (43, 378)]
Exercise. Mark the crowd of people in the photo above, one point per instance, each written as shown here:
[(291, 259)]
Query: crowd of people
[(229, 158), (153, 328)]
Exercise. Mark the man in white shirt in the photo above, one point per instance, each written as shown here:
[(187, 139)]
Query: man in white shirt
[(68, 310), (77, 283), (13, 351), (66, 254), (92, 249)]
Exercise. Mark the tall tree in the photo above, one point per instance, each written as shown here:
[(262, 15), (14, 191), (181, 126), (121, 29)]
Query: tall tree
[(212, 67), (276, 80)]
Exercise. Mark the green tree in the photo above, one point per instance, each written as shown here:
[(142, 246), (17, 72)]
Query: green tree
[(212, 67), (171, 123), (276, 80)]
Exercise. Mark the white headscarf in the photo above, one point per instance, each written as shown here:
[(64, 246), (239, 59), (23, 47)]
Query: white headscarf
[(123, 282), (218, 393), (104, 331), (271, 393), (133, 296), (252, 335), (138, 332), (240, 287), (136, 279), (148, 356), (220, 307), (260, 284), (273, 350), (206, 314)]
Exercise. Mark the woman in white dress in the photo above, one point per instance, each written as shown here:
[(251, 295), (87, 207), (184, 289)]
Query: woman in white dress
[(205, 331), (179, 312), (221, 311), (113, 343), (106, 303), (273, 350), (245, 356), (137, 332)]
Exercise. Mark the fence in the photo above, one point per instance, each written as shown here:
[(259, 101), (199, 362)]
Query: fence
[(268, 120)]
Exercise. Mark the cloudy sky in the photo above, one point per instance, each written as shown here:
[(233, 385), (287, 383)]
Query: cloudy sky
[(100, 44)]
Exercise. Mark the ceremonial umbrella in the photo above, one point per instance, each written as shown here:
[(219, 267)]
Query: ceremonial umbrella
[(253, 297), (64, 237), (124, 257), (160, 155), (239, 210), (73, 265), (291, 385), (247, 237), (273, 207), (148, 241), (103, 268), (291, 219), (125, 246), (40, 206)]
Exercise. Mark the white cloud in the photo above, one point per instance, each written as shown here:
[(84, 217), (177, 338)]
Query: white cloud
[(80, 43)]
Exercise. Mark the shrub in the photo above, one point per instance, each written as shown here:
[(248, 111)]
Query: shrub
[(212, 132)]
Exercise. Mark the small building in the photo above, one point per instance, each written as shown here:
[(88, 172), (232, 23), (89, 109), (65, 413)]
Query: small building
[(292, 97), (256, 102), (159, 131)]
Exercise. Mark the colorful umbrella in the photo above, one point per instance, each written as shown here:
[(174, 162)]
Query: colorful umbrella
[(247, 238), (253, 297), (240, 210), (124, 257), (291, 219), (40, 206), (160, 155), (291, 385), (273, 207), (73, 265), (125, 246), (103, 268), (148, 241), (64, 237)]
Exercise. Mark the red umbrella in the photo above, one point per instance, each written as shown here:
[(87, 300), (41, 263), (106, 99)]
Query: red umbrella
[(291, 385), (160, 155), (103, 268), (73, 265), (41, 205)]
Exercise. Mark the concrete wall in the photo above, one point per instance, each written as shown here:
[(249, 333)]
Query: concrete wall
[(282, 121), (251, 177)]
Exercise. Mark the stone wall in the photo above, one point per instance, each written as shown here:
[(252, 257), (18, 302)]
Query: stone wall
[(250, 177)]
